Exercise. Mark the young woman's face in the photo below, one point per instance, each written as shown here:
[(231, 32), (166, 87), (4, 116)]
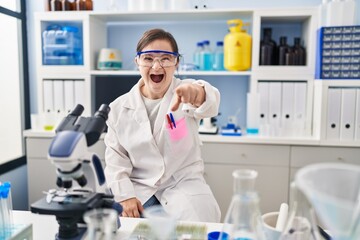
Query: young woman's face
[(157, 78)]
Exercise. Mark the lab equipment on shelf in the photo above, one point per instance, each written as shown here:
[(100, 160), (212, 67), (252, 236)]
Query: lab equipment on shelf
[(237, 47), (218, 59), (62, 45), (243, 218), (206, 58), (268, 49), (196, 55)]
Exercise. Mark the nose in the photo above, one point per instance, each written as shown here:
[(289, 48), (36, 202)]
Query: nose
[(156, 64)]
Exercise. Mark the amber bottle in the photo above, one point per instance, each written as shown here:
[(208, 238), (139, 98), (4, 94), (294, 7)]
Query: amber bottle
[(85, 5)]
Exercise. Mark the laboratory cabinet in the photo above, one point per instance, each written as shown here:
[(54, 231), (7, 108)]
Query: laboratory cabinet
[(305, 155), (270, 161)]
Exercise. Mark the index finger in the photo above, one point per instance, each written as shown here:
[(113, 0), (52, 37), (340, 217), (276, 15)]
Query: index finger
[(177, 103)]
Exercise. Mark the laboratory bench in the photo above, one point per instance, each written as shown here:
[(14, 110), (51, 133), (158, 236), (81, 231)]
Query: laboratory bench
[(276, 160), (46, 226)]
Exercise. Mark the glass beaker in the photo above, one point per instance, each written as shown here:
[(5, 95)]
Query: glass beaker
[(243, 218), (163, 225), (101, 224), (301, 223)]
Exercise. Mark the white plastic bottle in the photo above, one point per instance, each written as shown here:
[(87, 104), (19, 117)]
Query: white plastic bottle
[(218, 60), (197, 53), (206, 57)]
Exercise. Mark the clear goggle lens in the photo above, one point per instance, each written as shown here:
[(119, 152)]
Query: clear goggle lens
[(165, 58)]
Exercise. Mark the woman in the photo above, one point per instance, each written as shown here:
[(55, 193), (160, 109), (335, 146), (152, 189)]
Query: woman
[(152, 145)]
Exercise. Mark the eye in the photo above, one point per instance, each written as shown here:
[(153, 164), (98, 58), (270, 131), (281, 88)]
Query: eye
[(148, 58)]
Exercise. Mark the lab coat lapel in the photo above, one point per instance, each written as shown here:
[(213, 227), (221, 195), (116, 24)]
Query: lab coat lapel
[(136, 104), (164, 109)]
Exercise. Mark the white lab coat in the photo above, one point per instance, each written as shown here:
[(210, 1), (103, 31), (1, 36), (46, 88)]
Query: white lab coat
[(141, 163)]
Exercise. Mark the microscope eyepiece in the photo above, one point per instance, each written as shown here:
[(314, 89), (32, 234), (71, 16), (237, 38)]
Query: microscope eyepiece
[(77, 111), (103, 111)]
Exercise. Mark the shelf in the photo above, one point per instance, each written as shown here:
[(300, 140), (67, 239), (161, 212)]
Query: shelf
[(179, 16), (187, 73)]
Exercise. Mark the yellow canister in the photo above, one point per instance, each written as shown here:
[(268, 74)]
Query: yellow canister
[(237, 47)]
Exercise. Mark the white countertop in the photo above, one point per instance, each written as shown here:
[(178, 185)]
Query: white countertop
[(45, 226)]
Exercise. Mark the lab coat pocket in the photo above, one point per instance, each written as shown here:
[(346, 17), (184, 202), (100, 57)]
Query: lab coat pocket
[(179, 132)]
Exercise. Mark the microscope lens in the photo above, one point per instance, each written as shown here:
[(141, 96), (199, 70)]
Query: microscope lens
[(82, 181)]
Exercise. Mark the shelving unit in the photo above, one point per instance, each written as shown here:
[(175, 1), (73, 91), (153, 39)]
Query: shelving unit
[(221, 154)]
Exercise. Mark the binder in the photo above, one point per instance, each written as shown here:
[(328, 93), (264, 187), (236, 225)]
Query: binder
[(357, 118), (287, 107), (48, 96), (58, 96), (300, 96), (347, 120), (79, 92), (69, 96), (263, 90), (333, 114), (274, 107)]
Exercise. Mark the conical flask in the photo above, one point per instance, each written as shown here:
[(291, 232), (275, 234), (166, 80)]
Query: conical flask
[(301, 223), (243, 218)]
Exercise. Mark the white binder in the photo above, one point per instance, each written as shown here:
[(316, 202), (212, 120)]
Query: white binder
[(300, 96), (287, 107), (333, 114), (58, 96), (347, 120), (48, 94), (357, 118), (274, 107), (263, 90), (79, 86), (69, 95)]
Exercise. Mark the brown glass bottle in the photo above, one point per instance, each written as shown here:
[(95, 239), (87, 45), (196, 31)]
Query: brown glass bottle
[(85, 5), (299, 52), (56, 5), (283, 49), (267, 48), (69, 5)]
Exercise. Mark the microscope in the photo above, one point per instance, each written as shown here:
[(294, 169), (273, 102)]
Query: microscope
[(69, 153)]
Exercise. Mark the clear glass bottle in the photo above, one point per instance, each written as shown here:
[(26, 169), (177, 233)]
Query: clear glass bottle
[(243, 218), (206, 57), (218, 63), (196, 55), (301, 223)]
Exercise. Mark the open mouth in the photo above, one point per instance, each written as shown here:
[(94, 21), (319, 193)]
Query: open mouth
[(156, 78)]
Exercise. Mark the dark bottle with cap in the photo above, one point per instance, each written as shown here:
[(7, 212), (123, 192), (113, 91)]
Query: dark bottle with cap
[(69, 5), (290, 57), (299, 52), (56, 5), (85, 5), (267, 48), (283, 49)]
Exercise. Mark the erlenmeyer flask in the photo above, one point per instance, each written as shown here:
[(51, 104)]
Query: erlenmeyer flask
[(301, 223), (243, 218)]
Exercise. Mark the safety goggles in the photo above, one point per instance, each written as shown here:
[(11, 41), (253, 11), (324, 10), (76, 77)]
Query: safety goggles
[(165, 58)]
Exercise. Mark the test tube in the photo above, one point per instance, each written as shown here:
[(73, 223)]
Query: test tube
[(8, 200)]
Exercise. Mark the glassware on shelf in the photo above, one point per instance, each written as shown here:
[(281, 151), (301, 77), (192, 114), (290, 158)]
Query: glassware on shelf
[(243, 218), (301, 223)]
